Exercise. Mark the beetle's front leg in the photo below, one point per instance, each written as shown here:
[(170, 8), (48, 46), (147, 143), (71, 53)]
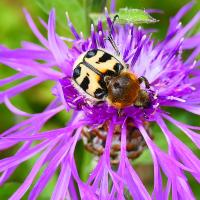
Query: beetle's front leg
[(142, 79), (143, 99)]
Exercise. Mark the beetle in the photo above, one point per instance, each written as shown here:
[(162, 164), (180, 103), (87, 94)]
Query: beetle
[(102, 76)]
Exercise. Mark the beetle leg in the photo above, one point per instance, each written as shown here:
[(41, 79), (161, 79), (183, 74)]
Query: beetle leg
[(142, 79), (143, 100), (145, 114), (99, 102), (119, 112)]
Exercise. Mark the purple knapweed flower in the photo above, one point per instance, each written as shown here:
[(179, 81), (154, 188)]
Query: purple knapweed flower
[(174, 82)]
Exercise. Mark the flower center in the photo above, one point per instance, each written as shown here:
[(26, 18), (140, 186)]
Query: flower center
[(94, 140)]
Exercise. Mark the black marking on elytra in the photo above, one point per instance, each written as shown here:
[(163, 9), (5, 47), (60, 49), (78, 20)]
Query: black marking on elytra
[(77, 72), (100, 93), (118, 68), (85, 83), (104, 58), (91, 53), (87, 74)]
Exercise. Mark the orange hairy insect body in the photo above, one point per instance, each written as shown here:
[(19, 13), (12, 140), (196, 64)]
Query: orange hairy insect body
[(123, 90)]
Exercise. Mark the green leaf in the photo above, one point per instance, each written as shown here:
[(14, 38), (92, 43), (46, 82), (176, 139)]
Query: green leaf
[(95, 17), (85, 161), (77, 14), (144, 159), (135, 16), (8, 189)]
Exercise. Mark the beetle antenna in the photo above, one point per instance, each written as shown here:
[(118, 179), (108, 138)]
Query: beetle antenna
[(113, 22), (110, 38)]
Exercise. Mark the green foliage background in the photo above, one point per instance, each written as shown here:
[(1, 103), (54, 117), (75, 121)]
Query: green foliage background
[(14, 29)]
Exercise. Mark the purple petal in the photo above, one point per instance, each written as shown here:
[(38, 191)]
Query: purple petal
[(29, 179), (50, 169), (63, 181), (10, 79), (19, 88), (175, 20), (33, 27), (55, 44), (113, 6), (184, 30)]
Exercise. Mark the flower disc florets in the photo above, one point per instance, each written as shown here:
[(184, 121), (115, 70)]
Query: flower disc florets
[(161, 65), (156, 62)]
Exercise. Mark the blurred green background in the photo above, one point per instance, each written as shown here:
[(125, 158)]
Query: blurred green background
[(14, 29)]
